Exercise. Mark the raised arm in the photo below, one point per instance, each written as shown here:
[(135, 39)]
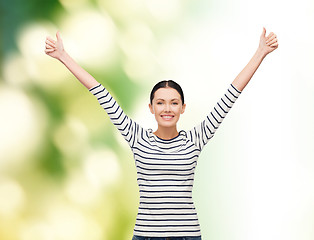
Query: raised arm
[(266, 46), (56, 50), (126, 126), (203, 132)]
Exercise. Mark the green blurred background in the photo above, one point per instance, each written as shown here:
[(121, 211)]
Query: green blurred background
[(66, 173)]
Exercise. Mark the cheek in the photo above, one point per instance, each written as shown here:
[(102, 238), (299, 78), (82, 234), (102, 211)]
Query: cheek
[(157, 108), (178, 109)]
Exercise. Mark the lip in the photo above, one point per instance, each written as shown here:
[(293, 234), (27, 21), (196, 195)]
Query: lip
[(167, 117)]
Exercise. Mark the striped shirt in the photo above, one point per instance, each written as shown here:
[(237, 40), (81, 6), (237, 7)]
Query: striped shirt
[(165, 168)]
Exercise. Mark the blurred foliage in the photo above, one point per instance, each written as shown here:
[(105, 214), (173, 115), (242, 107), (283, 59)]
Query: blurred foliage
[(16, 13), (49, 183)]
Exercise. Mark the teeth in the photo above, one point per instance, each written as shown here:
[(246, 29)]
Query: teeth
[(167, 117)]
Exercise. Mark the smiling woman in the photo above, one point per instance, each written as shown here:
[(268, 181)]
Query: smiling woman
[(167, 104), (166, 159)]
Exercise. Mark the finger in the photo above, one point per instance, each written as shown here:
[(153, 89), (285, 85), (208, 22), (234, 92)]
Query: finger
[(269, 35), (271, 42), (58, 35), (48, 47), (49, 50), (50, 39), (275, 45), (271, 38), (50, 43), (264, 32)]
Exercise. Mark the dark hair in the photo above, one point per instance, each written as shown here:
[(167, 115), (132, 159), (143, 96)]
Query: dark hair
[(165, 84)]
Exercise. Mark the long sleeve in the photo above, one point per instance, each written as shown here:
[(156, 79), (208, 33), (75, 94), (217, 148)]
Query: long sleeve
[(123, 123), (203, 132)]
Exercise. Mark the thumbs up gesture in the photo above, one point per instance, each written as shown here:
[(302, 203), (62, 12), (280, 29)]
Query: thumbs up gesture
[(54, 48), (269, 43)]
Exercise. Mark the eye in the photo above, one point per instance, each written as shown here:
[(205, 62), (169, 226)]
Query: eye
[(159, 103), (175, 103)]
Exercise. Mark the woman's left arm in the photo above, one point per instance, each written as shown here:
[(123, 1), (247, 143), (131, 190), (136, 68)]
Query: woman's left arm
[(266, 46)]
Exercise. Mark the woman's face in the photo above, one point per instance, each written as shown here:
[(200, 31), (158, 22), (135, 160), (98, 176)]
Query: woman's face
[(167, 107)]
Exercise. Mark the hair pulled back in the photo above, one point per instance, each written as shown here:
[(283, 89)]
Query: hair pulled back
[(165, 84)]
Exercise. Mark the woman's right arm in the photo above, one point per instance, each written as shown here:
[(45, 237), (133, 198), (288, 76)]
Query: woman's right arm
[(56, 50), (126, 126)]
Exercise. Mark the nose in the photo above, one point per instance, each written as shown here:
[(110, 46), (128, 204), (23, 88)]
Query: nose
[(167, 107)]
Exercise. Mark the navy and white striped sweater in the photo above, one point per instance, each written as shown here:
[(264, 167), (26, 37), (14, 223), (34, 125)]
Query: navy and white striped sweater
[(165, 168)]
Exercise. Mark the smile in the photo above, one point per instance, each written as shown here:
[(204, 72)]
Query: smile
[(167, 117)]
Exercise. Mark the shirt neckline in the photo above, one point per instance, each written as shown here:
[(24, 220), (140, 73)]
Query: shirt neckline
[(162, 139)]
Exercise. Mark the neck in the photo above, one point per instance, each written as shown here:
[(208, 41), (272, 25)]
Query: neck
[(166, 133)]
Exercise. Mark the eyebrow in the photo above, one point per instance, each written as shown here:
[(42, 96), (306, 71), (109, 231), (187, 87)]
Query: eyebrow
[(174, 99)]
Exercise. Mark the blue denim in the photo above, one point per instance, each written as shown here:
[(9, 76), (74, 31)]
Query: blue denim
[(167, 238)]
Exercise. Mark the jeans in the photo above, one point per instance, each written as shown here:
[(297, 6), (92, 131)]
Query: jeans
[(167, 238)]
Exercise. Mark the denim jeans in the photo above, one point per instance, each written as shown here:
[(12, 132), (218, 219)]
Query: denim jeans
[(167, 238)]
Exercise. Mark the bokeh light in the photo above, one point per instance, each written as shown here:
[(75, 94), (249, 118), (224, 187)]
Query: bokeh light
[(21, 124), (12, 198)]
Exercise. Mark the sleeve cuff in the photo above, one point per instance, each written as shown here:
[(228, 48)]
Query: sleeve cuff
[(92, 88), (96, 89), (237, 90)]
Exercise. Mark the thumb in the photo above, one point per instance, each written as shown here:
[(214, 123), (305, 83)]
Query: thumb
[(264, 32), (58, 36)]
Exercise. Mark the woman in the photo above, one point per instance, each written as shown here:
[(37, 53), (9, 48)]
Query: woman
[(166, 159)]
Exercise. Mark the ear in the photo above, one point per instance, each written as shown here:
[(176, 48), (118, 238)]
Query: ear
[(183, 108), (151, 108)]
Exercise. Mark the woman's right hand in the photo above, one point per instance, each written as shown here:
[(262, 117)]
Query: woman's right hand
[(54, 48)]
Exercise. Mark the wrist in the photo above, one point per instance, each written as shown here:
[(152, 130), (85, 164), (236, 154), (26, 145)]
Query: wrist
[(260, 53), (64, 56)]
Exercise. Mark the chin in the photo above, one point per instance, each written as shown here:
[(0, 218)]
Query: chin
[(168, 125)]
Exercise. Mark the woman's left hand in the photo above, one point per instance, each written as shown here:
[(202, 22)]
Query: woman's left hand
[(269, 43)]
